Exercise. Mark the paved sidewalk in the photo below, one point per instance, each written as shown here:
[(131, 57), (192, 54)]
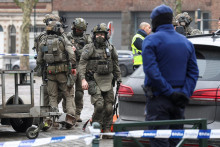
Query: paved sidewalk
[(8, 134)]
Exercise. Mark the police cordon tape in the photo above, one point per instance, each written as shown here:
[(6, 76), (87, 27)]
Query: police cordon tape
[(32, 55), (95, 133)]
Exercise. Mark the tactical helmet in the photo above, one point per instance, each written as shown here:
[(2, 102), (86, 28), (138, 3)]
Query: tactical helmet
[(184, 19), (51, 17), (100, 28), (80, 24), (54, 26)]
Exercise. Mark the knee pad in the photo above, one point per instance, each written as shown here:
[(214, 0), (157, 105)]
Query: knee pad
[(109, 109), (98, 106)]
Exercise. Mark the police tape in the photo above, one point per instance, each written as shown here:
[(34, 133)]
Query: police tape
[(31, 55), (95, 133), (187, 134), (42, 141)]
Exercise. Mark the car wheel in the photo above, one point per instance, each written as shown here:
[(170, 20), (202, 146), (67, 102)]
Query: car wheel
[(124, 71), (16, 67)]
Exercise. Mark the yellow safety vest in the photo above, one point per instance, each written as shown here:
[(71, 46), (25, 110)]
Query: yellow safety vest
[(137, 57)]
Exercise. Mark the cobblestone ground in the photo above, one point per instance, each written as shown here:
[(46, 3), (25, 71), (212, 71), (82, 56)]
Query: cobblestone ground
[(8, 134)]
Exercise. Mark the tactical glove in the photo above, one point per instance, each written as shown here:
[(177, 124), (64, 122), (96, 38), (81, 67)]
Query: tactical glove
[(179, 99), (119, 82)]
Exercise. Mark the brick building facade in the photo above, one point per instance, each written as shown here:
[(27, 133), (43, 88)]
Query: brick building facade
[(130, 8), (10, 28), (126, 14)]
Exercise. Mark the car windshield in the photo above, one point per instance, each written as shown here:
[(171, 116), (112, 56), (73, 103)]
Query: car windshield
[(208, 60)]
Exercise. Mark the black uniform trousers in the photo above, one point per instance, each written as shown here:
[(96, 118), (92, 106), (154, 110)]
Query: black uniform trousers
[(162, 108)]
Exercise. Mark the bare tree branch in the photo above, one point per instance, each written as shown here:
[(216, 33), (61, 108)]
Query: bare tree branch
[(19, 4)]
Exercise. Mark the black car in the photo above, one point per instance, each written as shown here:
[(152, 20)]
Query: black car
[(205, 101), (125, 59)]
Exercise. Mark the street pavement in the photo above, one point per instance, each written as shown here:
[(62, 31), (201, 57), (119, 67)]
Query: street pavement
[(8, 134)]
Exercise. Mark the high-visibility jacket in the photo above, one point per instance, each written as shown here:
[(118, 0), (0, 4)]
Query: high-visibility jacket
[(136, 52)]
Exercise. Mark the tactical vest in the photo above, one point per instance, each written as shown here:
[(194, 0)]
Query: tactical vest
[(54, 54), (137, 56), (79, 43), (101, 60), (54, 50)]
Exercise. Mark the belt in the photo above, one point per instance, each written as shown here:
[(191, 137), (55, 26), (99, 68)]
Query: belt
[(174, 87)]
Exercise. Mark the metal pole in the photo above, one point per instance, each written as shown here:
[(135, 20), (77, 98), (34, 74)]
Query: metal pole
[(3, 90), (42, 95), (35, 21), (32, 87), (15, 101), (199, 19)]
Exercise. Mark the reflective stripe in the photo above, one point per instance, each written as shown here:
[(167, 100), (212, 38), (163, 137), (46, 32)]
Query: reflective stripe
[(137, 57)]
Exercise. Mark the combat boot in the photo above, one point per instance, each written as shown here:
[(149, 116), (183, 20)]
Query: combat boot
[(78, 119), (108, 130)]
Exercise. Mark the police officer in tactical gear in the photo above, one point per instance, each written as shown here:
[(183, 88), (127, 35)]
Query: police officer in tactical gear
[(98, 64), (136, 45), (41, 68), (184, 20), (56, 52), (171, 73), (79, 39)]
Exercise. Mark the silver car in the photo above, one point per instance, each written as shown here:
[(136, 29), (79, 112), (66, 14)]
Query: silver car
[(205, 101), (125, 59), (16, 64)]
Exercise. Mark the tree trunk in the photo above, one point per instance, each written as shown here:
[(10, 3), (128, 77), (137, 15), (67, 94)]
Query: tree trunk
[(26, 7), (176, 5)]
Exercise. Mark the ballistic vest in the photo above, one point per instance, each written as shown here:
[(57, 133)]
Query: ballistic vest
[(101, 60), (79, 43)]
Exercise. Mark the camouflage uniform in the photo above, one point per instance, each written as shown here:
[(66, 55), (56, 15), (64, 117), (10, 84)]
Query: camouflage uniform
[(40, 68), (98, 64), (56, 52), (79, 40), (184, 20)]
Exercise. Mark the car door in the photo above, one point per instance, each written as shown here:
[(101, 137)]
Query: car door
[(205, 100)]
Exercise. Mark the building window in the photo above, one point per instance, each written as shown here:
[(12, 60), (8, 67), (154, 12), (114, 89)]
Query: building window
[(39, 29), (12, 39), (206, 20)]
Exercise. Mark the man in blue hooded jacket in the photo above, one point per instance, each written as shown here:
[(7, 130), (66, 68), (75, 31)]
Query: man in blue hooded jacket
[(171, 72)]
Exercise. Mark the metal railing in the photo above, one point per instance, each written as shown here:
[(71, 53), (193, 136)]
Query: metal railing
[(197, 124)]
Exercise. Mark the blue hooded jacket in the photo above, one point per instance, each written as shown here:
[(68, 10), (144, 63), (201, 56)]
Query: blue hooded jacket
[(169, 59)]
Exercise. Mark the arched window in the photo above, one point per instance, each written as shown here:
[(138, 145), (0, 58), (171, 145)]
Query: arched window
[(12, 39)]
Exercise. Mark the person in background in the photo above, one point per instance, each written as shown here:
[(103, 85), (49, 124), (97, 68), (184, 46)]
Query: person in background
[(79, 39), (136, 45), (171, 73), (98, 67)]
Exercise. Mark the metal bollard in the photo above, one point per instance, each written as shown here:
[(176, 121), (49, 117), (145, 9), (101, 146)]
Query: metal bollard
[(95, 142)]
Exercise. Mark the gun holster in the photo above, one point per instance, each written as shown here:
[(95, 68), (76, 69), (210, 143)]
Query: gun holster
[(148, 91)]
